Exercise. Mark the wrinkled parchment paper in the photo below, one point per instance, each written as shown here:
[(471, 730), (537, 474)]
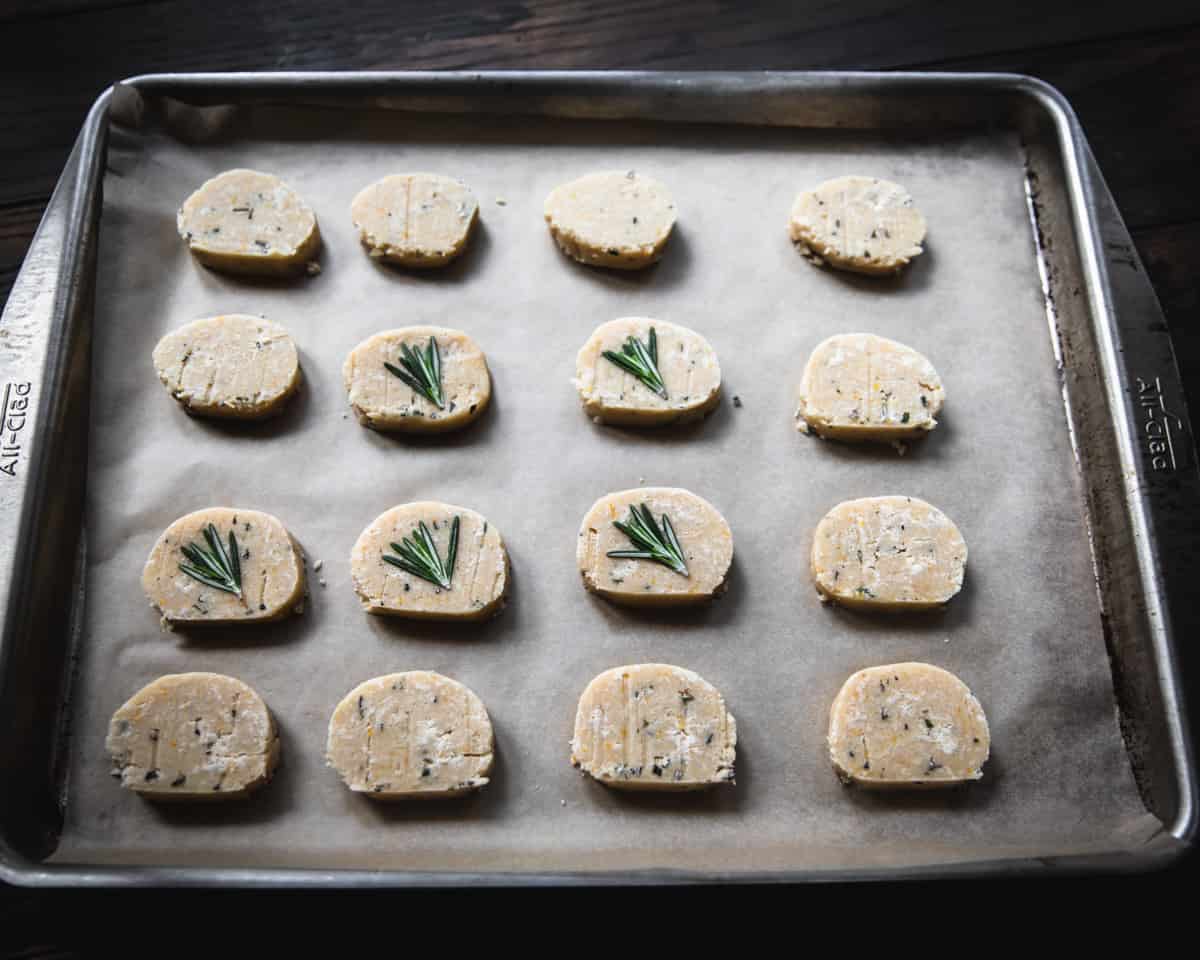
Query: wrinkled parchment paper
[(1025, 633)]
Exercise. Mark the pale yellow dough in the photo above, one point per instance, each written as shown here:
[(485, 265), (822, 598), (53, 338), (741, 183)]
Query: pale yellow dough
[(612, 219), (480, 578), (233, 366), (414, 734), (703, 534), (383, 401), (897, 553), (861, 224), (193, 736), (857, 386), (415, 219), (907, 725), (272, 570), (653, 726), (244, 221), (687, 363)]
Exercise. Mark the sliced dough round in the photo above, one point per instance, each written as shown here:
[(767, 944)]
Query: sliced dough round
[(272, 570), (384, 401), (703, 534), (686, 363), (652, 726), (896, 553), (478, 580), (858, 223), (612, 219), (416, 219), (907, 725), (858, 386), (193, 736), (233, 366), (243, 221), (411, 734)]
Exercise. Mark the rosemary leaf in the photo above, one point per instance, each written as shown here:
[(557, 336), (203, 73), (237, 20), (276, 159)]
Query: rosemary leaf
[(653, 542), (641, 360), (418, 554), (213, 565), (421, 370)]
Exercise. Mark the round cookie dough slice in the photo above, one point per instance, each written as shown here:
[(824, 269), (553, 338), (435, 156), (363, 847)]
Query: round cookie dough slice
[(414, 734), (889, 553), (652, 726), (193, 736), (612, 219), (907, 725), (857, 386), (244, 221), (225, 565), (430, 561), (654, 546), (415, 219), (417, 380), (860, 224), (642, 372), (233, 366)]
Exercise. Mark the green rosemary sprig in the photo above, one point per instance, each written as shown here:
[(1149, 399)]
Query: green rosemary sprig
[(418, 555), (422, 370), (653, 542), (214, 566), (641, 360)]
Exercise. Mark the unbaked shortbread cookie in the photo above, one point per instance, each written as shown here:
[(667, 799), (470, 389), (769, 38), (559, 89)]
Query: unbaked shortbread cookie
[(382, 380), (193, 736), (858, 223), (411, 734), (672, 377), (857, 386), (195, 574), (670, 517), (613, 219), (415, 219), (233, 366), (461, 558), (907, 725), (243, 221), (896, 553), (652, 726)]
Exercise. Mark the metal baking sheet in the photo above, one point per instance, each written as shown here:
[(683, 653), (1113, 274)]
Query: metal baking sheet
[(1031, 634)]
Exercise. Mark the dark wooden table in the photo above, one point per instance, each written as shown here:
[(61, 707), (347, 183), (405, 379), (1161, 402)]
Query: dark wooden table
[(1132, 71)]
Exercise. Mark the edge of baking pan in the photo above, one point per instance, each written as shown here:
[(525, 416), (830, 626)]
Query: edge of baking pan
[(61, 306)]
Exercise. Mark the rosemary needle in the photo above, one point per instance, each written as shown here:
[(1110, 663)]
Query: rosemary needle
[(421, 370), (212, 565), (654, 542), (640, 359), (418, 555)]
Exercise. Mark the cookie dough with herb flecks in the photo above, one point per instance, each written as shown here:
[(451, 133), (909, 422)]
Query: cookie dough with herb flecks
[(636, 371), (654, 726), (907, 725), (225, 565), (413, 734), (857, 386), (430, 561), (415, 219), (613, 219), (861, 224), (417, 380), (193, 736), (654, 546), (244, 221), (232, 366)]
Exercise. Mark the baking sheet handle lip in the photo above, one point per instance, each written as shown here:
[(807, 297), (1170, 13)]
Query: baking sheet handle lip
[(20, 872), (1186, 823)]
